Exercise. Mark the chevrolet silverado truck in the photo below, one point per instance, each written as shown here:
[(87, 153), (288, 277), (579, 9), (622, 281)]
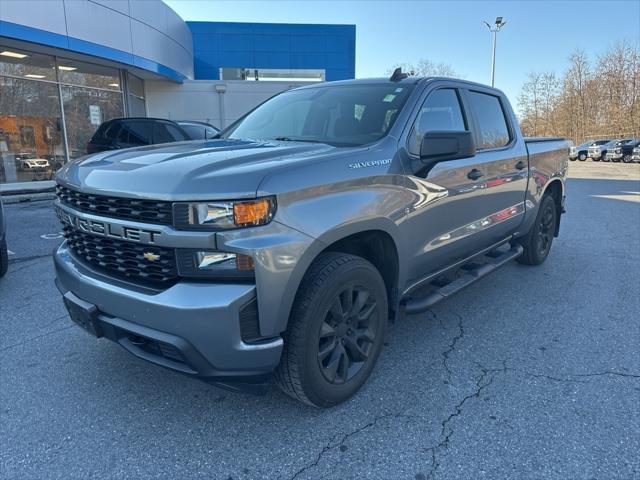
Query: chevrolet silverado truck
[(282, 248)]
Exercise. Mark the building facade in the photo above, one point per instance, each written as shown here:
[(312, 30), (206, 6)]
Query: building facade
[(66, 66)]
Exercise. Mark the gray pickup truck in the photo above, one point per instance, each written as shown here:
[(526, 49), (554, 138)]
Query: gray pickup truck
[(284, 247)]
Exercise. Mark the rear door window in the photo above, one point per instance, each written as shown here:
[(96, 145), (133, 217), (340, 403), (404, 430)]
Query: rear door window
[(135, 133), (493, 131), (167, 133), (195, 132)]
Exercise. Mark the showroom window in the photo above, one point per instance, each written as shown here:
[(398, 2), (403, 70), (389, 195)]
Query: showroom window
[(42, 97), (135, 97), (31, 142)]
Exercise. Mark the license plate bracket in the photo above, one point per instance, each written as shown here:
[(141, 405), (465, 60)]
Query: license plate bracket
[(83, 313)]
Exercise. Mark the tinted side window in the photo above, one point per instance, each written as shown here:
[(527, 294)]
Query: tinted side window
[(210, 132), (488, 111), (195, 132), (166, 133), (440, 111), (111, 132), (135, 133)]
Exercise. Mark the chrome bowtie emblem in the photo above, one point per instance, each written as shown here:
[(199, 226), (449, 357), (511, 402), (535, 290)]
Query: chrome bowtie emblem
[(152, 257)]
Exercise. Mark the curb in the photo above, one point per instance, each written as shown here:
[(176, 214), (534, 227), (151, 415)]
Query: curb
[(27, 197)]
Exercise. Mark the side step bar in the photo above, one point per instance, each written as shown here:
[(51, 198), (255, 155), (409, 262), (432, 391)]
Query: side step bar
[(473, 273)]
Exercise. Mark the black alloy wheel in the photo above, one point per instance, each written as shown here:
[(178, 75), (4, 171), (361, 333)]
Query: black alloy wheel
[(336, 330), (347, 334), (546, 229), (537, 242)]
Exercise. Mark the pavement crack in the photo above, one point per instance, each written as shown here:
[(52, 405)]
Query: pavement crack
[(484, 380), (607, 372), (331, 444), (573, 377), (451, 348), (28, 259), (37, 337)]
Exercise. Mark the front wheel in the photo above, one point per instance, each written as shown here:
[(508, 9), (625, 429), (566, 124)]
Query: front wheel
[(627, 159), (336, 330), (537, 243), (582, 157)]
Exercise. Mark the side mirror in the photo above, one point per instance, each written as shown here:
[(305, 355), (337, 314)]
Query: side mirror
[(439, 146)]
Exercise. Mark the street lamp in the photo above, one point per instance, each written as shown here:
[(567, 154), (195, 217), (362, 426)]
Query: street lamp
[(494, 29)]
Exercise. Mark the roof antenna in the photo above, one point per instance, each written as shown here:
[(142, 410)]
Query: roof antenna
[(397, 75)]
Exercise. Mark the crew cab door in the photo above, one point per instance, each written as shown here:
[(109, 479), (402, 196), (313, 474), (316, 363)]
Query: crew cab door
[(469, 204)]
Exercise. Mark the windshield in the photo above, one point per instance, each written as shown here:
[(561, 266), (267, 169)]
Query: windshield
[(339, 115)]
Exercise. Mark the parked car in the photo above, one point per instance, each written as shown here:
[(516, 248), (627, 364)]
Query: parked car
[(595, 150), (4, 253), (324, 213), (36, 168), (622, 151), (198, 130), (635, 155), (135, 132), (581, 151)]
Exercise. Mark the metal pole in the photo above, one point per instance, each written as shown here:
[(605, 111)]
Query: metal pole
[(493, 61)]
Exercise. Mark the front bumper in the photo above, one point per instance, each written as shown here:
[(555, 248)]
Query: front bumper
[(594, 155), (192, 327)]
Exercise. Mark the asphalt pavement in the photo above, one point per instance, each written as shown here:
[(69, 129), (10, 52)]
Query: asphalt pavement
[(532, 372)]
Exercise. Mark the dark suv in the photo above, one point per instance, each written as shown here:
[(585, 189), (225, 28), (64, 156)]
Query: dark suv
[(135, 132)]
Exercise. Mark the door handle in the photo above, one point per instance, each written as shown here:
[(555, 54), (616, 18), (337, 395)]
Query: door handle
[(474, 174), (521, 165)]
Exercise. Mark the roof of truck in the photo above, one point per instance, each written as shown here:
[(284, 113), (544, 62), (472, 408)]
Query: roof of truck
[(410, 80)]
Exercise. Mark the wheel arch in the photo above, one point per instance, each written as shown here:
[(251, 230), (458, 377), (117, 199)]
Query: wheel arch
[(376, 240), (555, 188)]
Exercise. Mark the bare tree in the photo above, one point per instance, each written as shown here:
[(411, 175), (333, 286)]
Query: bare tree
[(426, 68), (586, 102)]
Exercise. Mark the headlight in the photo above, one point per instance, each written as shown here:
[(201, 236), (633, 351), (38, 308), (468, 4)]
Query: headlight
[(217, 264), (224, 215)]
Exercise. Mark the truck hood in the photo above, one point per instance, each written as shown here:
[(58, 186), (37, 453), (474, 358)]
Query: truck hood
[(198, 170)]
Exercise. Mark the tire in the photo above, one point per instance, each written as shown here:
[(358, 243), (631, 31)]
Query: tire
[(582, 157), (627, 159), (537, 243), (320, 336), (4, 257)]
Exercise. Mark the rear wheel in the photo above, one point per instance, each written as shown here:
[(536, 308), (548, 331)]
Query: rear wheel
[(336, 331), (537, 243)]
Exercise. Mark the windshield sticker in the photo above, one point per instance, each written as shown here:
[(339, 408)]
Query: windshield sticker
[(389, 98)]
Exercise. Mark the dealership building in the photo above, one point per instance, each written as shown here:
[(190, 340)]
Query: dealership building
[(66, 66)]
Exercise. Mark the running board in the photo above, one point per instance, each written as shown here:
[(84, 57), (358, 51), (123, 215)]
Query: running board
[(472, 273)]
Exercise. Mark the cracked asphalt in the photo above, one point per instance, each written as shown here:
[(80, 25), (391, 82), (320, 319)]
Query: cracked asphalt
[(533, 372)]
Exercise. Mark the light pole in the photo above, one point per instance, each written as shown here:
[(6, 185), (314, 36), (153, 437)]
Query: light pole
[(499, 24)]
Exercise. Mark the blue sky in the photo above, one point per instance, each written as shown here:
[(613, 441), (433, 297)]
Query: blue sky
[(539, 35)]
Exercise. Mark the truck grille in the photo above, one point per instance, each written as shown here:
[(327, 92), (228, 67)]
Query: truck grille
[(123, 259), (148, 211)]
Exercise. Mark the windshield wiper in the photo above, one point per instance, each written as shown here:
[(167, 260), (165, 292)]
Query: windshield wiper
[(289, 139)]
